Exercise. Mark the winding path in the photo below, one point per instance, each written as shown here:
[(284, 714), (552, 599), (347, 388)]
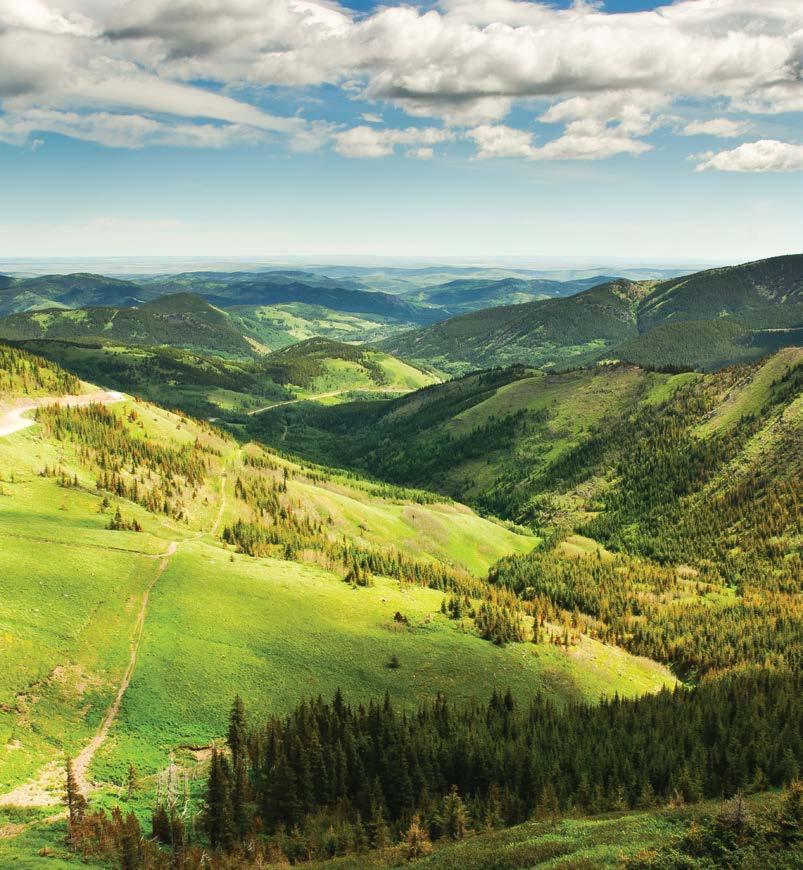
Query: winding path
[(43, 789), (13, 420), (85, 756)]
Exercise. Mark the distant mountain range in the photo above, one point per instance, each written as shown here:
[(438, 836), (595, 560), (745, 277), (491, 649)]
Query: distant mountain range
[(728, 315), (705, 320)]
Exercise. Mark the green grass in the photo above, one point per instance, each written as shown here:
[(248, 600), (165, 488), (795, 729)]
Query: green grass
[(277, 631), (67, 593)]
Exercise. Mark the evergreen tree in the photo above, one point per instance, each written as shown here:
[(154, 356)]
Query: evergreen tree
[(74, 799), (417, 840), (218, 812), (455, 820)]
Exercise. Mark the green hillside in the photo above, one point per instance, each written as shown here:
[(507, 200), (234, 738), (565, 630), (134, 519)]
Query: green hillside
[(180, 320), (66, 291), (175, 566), (320, 365), (24, 374), (736, 314), (276, 326), (201, 385), (212, 386), (535, 333), (707, 345), (718, 292)]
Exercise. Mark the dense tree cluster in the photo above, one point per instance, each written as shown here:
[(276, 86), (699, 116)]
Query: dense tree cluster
[(341, 778), (684, 618)]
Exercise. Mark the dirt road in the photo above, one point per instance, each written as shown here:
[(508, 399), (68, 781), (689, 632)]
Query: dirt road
[(13, 419)]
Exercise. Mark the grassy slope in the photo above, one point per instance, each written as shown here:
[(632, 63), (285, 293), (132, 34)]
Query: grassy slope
[(204, 386), (407, 438), (211, 386), (279, 631), (277, 326)]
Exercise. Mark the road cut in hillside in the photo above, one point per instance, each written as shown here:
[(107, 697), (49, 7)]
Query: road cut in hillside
[(13, 419)]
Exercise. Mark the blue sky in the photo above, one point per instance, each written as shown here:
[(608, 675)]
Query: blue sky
[(493, 128)]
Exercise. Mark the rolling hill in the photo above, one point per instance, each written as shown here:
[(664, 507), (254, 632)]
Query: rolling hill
[(66, 291), (750, 309), (273, 288), (472, 294), (320, 365), (179, 320), (535, 333), (152, 566), (542, 448), (715, 293)]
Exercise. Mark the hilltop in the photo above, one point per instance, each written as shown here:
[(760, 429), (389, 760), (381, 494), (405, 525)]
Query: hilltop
[(319, 365), (749, 310)]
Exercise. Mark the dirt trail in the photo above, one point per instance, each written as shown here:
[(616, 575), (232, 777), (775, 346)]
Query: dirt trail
[(13, 420), (85, 756), (45, 789)]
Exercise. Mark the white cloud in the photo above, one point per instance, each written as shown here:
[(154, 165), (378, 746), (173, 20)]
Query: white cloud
[(611, 77), (498, 140), (583, 140), (372, 142), (724, 128), (766, 155), (120, 130)]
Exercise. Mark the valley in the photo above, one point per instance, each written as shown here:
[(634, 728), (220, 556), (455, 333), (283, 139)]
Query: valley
[(407, 543)]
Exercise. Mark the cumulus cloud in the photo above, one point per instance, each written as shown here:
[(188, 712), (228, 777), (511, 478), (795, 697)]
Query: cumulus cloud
[(608, 79), (724, 128), (766, 155), (583, 140), (365, 141)]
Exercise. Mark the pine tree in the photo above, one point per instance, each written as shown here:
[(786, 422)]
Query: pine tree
[(131, 851), (219, 814), (378, 828), (238, 730), (132, 781), (455, 820), (239, 797), (76, 802), (417, 839)]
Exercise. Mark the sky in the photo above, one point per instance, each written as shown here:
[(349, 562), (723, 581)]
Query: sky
[(460, 128)]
